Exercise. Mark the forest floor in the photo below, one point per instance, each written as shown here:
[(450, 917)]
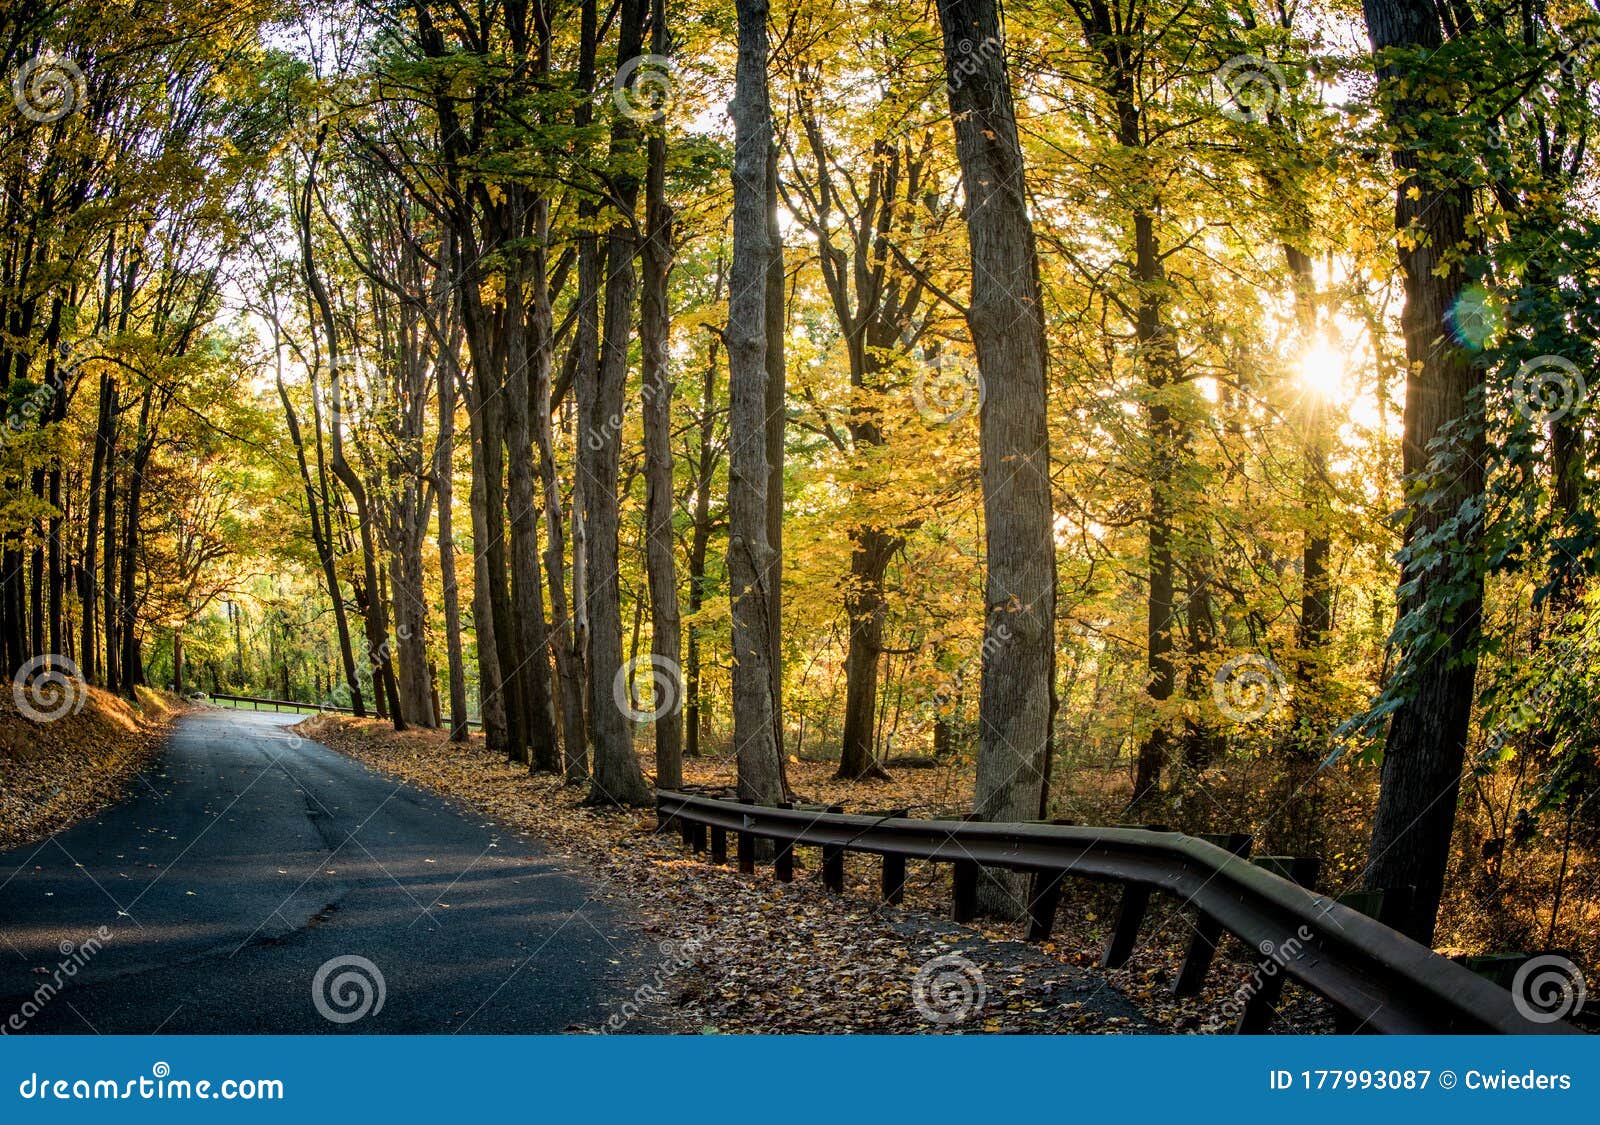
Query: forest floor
[(751, 954), (54, 774)]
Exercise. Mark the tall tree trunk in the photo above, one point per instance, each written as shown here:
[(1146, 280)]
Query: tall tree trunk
[(586, 386), (657, 391), (776, 419), (445, 371), (1316, 594), (376, 616), (89, 662), (700, 542), (1006, 319), (527, 580), (569, 662), (865, 606), (1443, 461), (491, 699), (617, 778), (322, 541), (108, 584), (751, 566), (415, 681)]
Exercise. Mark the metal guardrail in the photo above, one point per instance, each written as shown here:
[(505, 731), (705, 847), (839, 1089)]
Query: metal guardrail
[(257, 702), (1377, 978)]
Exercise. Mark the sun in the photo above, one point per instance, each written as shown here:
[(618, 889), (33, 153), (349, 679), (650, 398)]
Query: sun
[(1323, 370)]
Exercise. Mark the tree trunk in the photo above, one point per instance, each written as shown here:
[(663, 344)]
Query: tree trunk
[(322, 541), (776, 322), (617, 778), (657, 391), (527, 581), (491, 699), (89, 662), (700, 541), (750, 555), (1006, 319), (865, 607), (1443, 462), (444, 474)]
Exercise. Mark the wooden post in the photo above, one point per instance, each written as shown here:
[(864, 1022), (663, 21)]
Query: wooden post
[(697, 837), (719, 845), (894, 879), (1387, 906), (1125, 934), (833, 868), (1044, 895), (1263, 1002), (1301, 869), (964, 891), (783, 862), (1202, 948), (747, 853), (1207, 930)]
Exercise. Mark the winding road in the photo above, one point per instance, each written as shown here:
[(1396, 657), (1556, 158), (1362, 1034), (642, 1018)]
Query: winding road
[(253, 881)]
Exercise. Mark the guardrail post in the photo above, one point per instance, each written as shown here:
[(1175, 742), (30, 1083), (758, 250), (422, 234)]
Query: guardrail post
[(893, 880), (1125, 932), (697, 836), (1044, 895), (1301, 869), (1262, 1004), (964, 891), (747, 853), (719, 845), (1207, 930), (783, 862), (1385, 905), (833, 868)]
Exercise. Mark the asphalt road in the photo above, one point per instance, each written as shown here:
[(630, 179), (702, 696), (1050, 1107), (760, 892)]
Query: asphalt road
[(246, 860)]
